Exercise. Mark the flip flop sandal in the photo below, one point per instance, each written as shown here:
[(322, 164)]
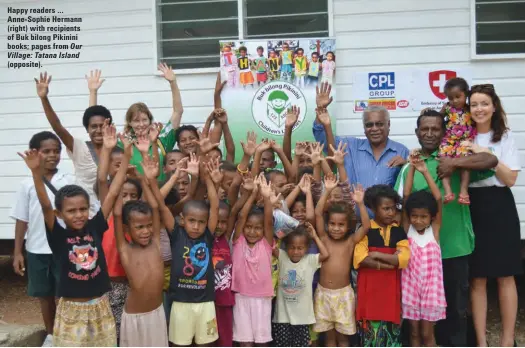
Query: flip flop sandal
[(449, 198), (464, 200)]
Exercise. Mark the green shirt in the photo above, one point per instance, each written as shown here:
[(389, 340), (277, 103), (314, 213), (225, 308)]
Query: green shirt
[(456, 234), (167, 139)]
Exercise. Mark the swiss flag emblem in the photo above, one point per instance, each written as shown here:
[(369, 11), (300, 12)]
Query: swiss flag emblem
[(437, 80)]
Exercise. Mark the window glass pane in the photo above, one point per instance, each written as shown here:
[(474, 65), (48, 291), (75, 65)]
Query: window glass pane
[(500, 32), (190, 31), (192, 63), (277, 7), (500, 48), (288, 26), (190, 48), (199, 10), (500, 12)]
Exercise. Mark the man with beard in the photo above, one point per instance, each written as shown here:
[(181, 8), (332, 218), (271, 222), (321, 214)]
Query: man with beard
[(456, 236)]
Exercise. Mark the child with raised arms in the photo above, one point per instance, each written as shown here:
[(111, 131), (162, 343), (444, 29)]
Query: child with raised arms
[(295, 308), (193, 317), (42, 267), (252, 277), (423, 293), (83, 315), (334, 297), (143, 319)]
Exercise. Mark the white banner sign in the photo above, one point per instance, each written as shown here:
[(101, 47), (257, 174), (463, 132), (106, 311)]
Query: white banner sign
[(428, 86)]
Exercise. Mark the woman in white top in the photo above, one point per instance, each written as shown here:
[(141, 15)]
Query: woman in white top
[(494, 216)]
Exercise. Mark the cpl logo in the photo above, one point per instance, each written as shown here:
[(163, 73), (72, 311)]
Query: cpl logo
[(381, 85)]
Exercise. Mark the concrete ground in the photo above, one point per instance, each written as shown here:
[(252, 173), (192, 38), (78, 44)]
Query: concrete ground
[(17, 308)]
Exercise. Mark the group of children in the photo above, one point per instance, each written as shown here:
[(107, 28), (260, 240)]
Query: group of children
[(243, 253), (286, 65)]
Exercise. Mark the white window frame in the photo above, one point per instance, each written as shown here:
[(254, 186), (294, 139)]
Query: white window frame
[(473, 42), (241, 9)]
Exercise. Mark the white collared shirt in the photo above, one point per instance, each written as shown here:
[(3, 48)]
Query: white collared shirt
[(27, 208)]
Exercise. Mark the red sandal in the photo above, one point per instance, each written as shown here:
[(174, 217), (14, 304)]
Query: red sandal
[(464, 199), (449, 198)]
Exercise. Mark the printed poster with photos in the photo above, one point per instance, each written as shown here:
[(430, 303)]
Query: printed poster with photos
[(266, 77)]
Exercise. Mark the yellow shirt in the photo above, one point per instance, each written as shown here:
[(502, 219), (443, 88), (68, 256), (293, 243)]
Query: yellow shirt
[(361, 249)]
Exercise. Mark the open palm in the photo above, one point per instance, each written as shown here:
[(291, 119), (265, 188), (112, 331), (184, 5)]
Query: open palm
[(32, 159), (42, 85)]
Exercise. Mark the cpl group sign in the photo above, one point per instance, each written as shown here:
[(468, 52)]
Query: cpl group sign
[(413, 89)]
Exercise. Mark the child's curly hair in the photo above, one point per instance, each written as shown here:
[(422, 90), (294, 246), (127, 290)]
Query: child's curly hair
[(375, 193), (343, 208)]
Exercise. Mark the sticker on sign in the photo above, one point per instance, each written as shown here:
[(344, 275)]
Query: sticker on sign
[(402, 104)]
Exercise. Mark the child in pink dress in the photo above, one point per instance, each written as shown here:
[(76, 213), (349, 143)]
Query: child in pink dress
[(422, 292), (328, 68), (459, 128), (252, 271)]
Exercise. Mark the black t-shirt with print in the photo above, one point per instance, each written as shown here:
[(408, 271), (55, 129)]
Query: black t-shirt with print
[(83, 269), (192, 274)]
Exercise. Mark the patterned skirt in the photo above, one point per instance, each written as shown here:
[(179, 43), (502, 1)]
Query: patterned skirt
[(379, 333), (84, 324)]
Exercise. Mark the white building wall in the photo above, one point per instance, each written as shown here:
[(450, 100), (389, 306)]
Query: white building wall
[(118, 38)]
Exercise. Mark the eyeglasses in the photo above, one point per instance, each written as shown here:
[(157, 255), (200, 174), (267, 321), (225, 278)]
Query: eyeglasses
[(372, 124), (489, 86)]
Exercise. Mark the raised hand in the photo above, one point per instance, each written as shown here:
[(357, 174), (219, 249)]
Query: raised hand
[(42, 85), (213, 168), (419, 164), (32, 158), (286, 189), (94, 81), (322, 116), (125, 139), (265, 187), (322, 95), (276, 199), (205, 144), (310, 229), (300, 148), (330, 182), (132, 172), (292, 116), (109, 135), (220, 115), (358, 193), (316, 154), (154, 131), (264, 145), (192, 166), (248, 183), (339, 154), (219, 85), (167, 72), (150, 167), (305, 184), (274, 145), (251, 143), (143, 143)]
